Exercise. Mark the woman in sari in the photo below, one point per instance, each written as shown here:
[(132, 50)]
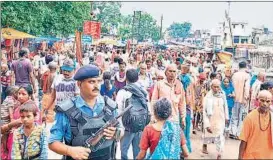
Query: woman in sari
[(163, 138), (228, 88), (24, 96)]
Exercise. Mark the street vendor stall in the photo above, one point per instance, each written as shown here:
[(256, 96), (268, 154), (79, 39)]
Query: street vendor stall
[(14, 41), (105, 41), (225, 57), (10, 33), (45, 42)]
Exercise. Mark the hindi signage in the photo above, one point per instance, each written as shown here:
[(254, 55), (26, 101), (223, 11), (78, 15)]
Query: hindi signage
[(92, 28)]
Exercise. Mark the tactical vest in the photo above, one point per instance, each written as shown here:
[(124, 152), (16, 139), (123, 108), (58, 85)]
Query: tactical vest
[(83, 126)]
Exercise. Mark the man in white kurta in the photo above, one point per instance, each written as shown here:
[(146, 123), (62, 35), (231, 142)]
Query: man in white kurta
[(215, 113)]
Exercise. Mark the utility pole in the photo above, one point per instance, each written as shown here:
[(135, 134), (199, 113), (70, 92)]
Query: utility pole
[(133, 27), (230, 23), (91, 10), (138, 28), (161, 21)]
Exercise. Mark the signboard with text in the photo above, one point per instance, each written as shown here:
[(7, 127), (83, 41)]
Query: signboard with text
[(92, 28)]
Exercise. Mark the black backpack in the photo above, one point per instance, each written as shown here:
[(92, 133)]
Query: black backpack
[(138, 116)]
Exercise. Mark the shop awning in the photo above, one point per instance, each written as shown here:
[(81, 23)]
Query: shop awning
[(10, 33), (105, 41)]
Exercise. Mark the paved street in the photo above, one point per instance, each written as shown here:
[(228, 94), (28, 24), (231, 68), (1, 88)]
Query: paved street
[(230, 152)]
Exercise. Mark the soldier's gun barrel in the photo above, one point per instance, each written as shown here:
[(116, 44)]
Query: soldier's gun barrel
[(97, 139)]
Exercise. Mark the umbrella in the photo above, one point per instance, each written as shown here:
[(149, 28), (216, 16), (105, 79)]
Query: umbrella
[(10, 33)]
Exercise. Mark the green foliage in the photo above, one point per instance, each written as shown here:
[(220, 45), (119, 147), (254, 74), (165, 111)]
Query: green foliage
[(109, 15), (179, 30), (125, 28), (63, 18), (145, 27), (45, 18)]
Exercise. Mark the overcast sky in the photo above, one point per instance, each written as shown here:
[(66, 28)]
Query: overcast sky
[(205, 15)]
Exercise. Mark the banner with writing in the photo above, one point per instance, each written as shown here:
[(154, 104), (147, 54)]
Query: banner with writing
[(92, 28)]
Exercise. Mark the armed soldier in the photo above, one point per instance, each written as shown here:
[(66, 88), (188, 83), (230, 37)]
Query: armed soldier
[(81, 119)]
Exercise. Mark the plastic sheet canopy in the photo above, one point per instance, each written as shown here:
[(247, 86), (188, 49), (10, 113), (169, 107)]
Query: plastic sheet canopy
[(10, 33)]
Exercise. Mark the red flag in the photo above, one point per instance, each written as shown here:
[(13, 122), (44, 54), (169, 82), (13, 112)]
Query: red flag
[(92, 28), (78, 41), (87, 28)]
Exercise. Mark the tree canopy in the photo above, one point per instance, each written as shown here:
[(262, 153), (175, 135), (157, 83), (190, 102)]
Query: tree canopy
[(57, 18), (145, 27), (180, 30), (109, 15), (63, 18), (45, 18)]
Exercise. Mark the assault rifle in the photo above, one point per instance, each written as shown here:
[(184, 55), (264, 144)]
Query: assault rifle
[(97, 139)]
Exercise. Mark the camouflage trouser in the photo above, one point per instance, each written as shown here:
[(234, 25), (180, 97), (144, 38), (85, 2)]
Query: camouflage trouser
[(239, 112)]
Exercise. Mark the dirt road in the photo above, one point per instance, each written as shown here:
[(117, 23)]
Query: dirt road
[(231, 149), (230, 152)]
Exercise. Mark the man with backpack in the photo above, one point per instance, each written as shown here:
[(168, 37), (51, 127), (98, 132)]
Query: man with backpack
[(134, 121)]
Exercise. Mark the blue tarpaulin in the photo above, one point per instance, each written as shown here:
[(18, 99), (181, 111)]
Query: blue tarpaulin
[(47, 39), (85, 39)]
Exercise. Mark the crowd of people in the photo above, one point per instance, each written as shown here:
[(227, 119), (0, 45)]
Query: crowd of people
[(168, 95)]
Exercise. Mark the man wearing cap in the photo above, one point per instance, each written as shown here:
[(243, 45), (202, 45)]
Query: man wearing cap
[(75, 121), (64, 86)]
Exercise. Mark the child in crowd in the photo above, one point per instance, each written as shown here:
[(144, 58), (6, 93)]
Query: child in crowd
[(29, 140), (164, 139), (107, 89), (7, 114), (120, 76), (5, 80)]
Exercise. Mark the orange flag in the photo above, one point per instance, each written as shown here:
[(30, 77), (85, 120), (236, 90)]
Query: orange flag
[(78, 40)]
